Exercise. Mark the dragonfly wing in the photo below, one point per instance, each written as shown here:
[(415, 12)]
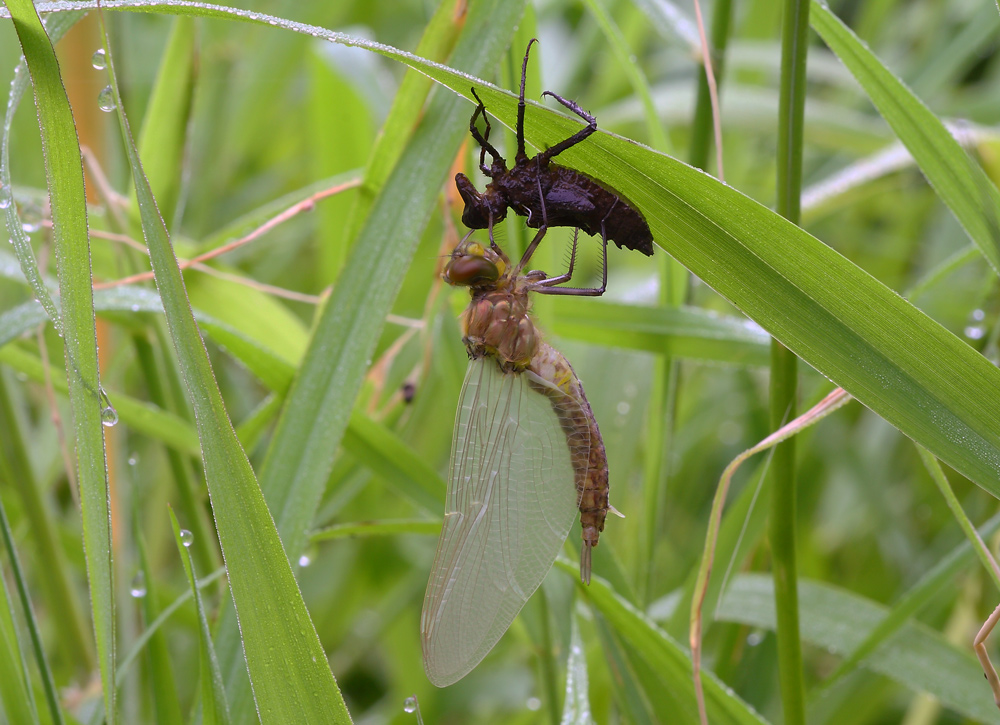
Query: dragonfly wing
[(511, 503)]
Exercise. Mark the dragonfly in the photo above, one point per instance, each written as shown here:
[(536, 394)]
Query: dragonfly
[(527, 459)]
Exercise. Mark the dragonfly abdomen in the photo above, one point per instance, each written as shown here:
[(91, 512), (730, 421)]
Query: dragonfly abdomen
[(589, 459)]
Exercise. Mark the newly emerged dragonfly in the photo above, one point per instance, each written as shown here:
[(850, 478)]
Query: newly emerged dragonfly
[(527, 458)]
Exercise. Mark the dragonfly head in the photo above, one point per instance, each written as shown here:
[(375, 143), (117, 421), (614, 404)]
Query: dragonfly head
[(473, 265)]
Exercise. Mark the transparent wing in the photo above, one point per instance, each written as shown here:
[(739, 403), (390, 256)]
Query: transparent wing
[(511, 503)]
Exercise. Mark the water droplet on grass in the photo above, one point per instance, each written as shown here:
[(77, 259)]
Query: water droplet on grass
[(138, 586), (106, 100)]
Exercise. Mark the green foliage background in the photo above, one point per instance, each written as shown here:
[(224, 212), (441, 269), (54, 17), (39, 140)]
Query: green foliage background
[(235, 121)]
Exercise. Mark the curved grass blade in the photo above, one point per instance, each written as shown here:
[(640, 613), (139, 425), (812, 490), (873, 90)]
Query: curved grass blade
[(64, 175), (839, 621), (932, 583), (291, 678), (960, 182), (422, 527), (214, 708), (685, 332), (165, 123), (665, 657), (166, 704), (16, 703)]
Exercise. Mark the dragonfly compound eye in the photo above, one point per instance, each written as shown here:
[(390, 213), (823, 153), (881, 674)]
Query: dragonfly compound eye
[(470, 271)]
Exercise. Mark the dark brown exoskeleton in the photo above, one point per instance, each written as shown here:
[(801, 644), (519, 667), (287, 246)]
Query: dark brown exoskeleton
[(547, 194)]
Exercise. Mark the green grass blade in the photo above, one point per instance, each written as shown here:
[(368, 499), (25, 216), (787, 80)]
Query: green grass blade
[(636, 78), (291, 677), (16, 701), (422, 527), (165, 123), (166, 707), (57, 586), (671, 664), (154, 627), (15, 698), (936, 580), (139, 415), (839, 621), (56, 28), (684, 332), (437, 42), (64, 174), (214, 708), (784, 379), (576, 704), (960, 182)]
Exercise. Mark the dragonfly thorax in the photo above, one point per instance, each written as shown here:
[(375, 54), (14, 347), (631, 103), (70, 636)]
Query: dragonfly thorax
[(497, 324)]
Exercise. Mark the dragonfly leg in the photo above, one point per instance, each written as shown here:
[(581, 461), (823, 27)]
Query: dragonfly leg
[(562, 278), (520, 105), (484, 141), (546, 287), (552, 151), (496, 247), (979, 645)]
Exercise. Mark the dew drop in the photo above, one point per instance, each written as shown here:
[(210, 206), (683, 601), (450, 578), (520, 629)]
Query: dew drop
[(975, 332), (410, 704), (187, 538), (754, 639), (534, 704), (30, 227), (106, 100), (133, 459), (138, 586), (109, 416), (304, 560), (98, 59), (978, 315), (623, 408), (6, 199)]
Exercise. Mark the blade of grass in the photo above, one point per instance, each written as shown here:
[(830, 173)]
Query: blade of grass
[(436, 43), (941, 481), (57, 26), (64, 175), (166, 707), (16, 701), (960, 182), (376, 528), (165, 123), (670, 662), (57, 587), (139, 415), (214, 708), (291, 678), (936, 580), (683, 332), (784, 371), (838, 621)]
